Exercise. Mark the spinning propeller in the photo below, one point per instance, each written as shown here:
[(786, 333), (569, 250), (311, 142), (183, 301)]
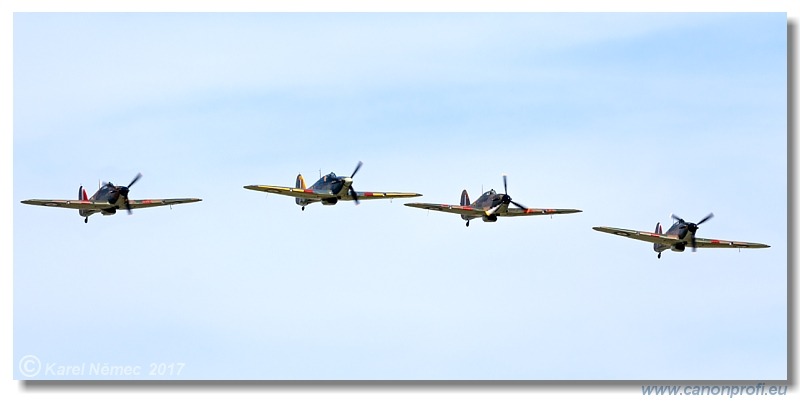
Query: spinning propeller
[(505, 199), (686, 227), (353, 191), (124, 190)]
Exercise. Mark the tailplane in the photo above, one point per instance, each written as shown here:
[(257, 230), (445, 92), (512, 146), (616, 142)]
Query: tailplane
[(464, 198), (300, 183)]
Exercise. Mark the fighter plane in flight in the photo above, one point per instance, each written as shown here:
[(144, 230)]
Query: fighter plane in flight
[(489, 206), (680, 235), (107, 200), (328, 190)]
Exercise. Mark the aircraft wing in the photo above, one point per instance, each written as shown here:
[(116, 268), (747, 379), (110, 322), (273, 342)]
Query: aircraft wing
[(160, 203), (714, 243), (307, 193), (669, 240), (71, 204), (310, 194), (453, 209), (536, 211), (471, 211), (369, 195), (651, 237)]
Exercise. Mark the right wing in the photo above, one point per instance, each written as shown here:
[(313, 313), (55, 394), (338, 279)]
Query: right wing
[(453, 209), (650, 237), (307, 193), (71, 204)]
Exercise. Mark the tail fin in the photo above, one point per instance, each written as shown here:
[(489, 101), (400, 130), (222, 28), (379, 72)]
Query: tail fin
[(464, 198), (300, 183), (658, 248), (82, 194)]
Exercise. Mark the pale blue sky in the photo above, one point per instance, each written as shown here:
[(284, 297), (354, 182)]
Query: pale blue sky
[(629, 117)]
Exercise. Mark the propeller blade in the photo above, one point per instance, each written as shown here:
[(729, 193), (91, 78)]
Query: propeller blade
[(492, 211), (519, 205), (135, 179), (128, 206), (505, 184), (694, 244), (354, 195), (677, 218), (356, 169), (711, 215)]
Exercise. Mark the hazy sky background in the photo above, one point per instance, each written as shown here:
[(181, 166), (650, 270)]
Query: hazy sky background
[(628, 117)]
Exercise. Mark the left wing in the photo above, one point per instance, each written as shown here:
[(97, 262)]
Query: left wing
[(536, 211), (714, 243), (160, 203), (370, 195), (669, 240)]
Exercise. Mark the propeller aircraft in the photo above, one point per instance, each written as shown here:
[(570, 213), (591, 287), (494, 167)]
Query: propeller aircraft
[(107, 200), (328, 190), (489, 206), (679, 235)]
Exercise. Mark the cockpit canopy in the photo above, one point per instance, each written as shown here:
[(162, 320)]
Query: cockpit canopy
[(329, 177)]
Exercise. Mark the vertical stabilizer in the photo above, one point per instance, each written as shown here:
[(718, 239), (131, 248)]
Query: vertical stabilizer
[(82, 194), (657, 246), (464, 198), (300, 183)]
